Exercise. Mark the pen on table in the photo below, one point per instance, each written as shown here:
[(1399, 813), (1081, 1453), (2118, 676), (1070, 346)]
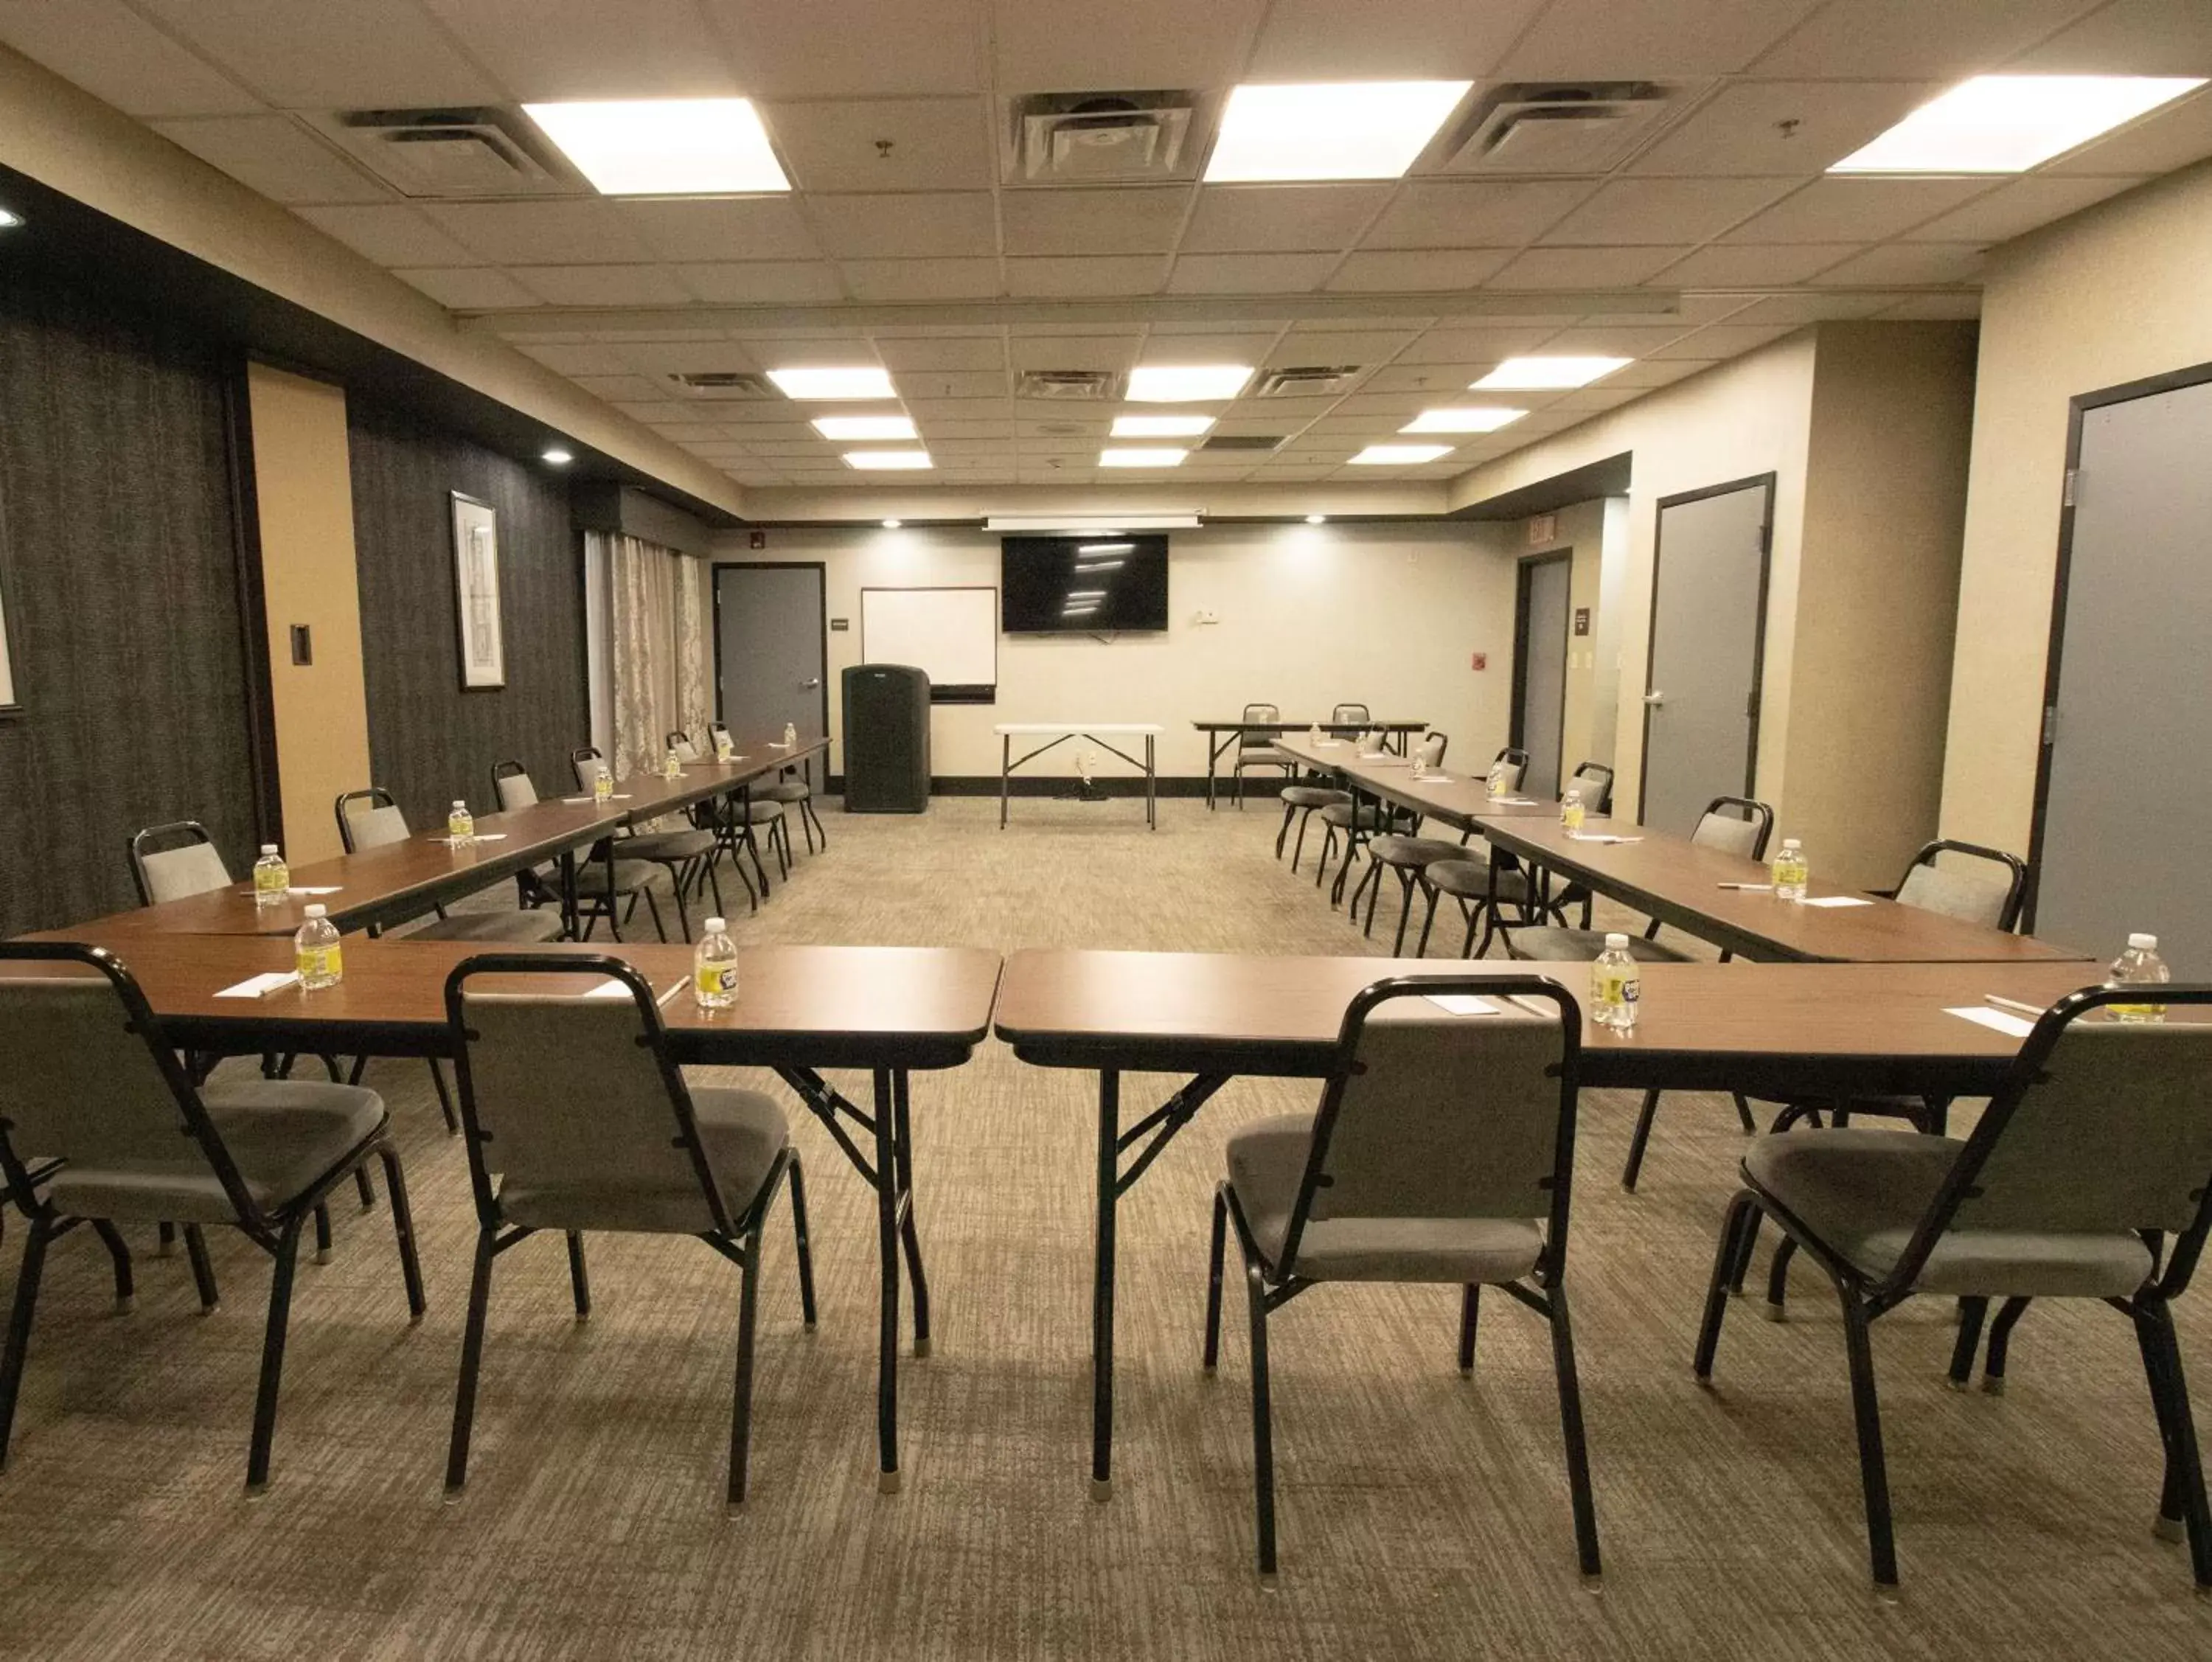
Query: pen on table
[(1749, 887), (663, 1000), (1533, 1006), (2011, 1004)]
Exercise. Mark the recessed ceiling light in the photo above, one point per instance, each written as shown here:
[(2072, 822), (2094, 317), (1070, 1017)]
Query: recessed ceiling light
[(1168, 383), (663, 146), (1316, 519), (1160, 427), (557, 456), (1085, 550), (864, 427), (1343, 130), (1082, 566), (8, 218), (1547, 375), (2006, 123), (865, 382), (1400, 455), (908, 462), (1141, 458), (1470, 418), (893, 524)]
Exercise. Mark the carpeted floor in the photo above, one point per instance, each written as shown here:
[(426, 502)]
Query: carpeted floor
[(1422, 1515)]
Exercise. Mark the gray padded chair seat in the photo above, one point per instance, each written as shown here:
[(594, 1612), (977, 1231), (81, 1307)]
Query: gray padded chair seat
[(666, 845), (1557, 946), (784, 790), (1414, 851), (1339, 814), (1315, 796), (531, 926), (285, 1134), (1267, 1162), (1470, 879), (744, 1132), (1865, 1192)]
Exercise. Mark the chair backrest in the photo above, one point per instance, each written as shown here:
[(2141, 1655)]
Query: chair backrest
[(2102, 1127), (189, 865), (1517, 763), (680, 742), (588, 763), (1427, 1114), (561, 1091), (1734, 824), (1594, 781), (90, 1078), (1430, 755), (370, 819), (1990, 895), (1248, 740), (511, 786), (717, 732), (1345, 716)]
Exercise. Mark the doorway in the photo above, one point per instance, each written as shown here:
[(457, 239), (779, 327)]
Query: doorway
[(2121, 785), (1707, 645), (772, 649), (1541, 622)]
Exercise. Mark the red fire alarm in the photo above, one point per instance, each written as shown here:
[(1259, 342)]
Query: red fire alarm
[(1482, 660)]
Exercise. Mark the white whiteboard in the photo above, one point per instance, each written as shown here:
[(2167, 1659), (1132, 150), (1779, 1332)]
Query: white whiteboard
[(951, 633)]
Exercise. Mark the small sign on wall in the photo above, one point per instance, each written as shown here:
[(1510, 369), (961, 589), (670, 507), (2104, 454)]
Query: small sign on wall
[(1543, 530), (758, 540), (839, 625), (1582, 620), (1481, 661)]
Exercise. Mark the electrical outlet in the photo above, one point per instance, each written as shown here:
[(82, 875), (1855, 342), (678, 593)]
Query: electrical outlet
[(1204, 617)]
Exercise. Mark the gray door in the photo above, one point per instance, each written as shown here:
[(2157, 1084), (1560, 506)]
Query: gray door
[(1541, 695), (768, 649), (1708, 618), (2120, 842)]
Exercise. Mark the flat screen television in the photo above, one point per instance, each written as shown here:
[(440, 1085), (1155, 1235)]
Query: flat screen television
[(1083, 584)]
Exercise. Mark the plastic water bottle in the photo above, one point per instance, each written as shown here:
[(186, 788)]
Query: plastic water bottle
[(724, 747), (790, 734), (2140, 965), (1493, 784), (315, 952), (1616, 986), (271, 878), (715, 967), (1312, 734), (671, 766), (1571, 810), (602, 785), (1791, 871), (460, 824)]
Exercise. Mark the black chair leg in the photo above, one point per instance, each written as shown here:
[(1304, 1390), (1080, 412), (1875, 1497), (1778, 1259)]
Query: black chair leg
[(2184, 1461), (203, 1269), (814, 819), (403, 1232), (653, 906), (1741, 1211), (464, 1394), (1470, 1306), (1428, 923), (1777, 1278), (1263, 1434), (1971, 1313), (1404, 911), (1993, 1366), (365, 1187), (164, 1238), (272, 1358), (679, 877), (580, 1280), (1743, 1114), (445, 1099), (1873, 1476), (322, 1233), (1298, 848), (118, 1252), (1638, 1141), (1289, 812), (1571, 1426), (1211, 1357), (19, 1324), (741, 1405), (1745, 1249), (806, 1252)]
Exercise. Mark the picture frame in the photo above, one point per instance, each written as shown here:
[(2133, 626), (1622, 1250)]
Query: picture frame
[(478, 616), (11, 704)]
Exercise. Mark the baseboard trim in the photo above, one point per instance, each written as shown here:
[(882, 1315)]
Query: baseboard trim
[(1040, 784)]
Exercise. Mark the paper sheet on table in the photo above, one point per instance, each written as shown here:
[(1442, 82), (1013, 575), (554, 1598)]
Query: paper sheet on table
[(1515, 801), (261, 986), (327, 889), (1463, 1003), (1999, 1020), (481, 837), (1420, 778), (1603, 837), (1836, 900)]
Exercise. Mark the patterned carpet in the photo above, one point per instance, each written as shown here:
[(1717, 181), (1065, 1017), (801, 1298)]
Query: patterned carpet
[(1422, 1515)]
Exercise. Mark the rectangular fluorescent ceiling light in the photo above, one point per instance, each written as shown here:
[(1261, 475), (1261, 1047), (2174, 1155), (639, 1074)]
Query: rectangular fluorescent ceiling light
[(1342, 129), (1092, 525), (1160, 427), (1400, 455), (2006, 123), (864, 427), (1167, 383), (663, 146), (1084, 551), (1142, 457), (1474, 418), (909, 461), (1546, 375), (868, 382)]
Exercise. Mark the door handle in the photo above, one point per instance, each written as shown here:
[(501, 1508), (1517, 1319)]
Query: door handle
[(1655, 699), (809, 686)]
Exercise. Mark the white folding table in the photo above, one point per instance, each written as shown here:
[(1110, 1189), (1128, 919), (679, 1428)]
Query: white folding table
[(1061, 732)]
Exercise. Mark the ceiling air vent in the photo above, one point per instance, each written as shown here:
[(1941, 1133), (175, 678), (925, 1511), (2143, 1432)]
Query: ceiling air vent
[(1554, 127), (474, 151), (1065, 385), (1306, 380), (1075, 138), (1242, 441), (717, 384)]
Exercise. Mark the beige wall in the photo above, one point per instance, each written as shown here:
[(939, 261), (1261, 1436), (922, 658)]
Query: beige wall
[(303, 493), (1386, 615), (2117, 294)]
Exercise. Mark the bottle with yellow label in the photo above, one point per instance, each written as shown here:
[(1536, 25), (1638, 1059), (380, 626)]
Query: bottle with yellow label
[(671, 766), (715, 967), (460, 824), (1493, 785), (315, 952), (2140, 965), (1571, 810), (1791, 871), (272, 878), (602, 785), (1616, 987), (725, 748)]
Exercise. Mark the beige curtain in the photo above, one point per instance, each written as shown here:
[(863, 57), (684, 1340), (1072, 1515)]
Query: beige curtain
[(695, 651), (659, 651)]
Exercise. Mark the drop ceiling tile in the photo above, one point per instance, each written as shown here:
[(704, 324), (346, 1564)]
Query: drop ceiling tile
[(622, 389), (1654, 373), (927, 411), (1589, 400), (1473, 214), (1428, 271), (1115, 352), (1459, 346), (690, 432), (555, 49), (275, 155), (120, 58), (1604, 40), (661, 357), (934, 144), (469, 288), (1094, 221), (1909, 263), (1280, 414), (1216, 345), (1399, 406), (1543, 269), (854, 48), (1839, 209), (1724, 340), (2165, 139), (923, 226), (1285, 218), (1061, 278), (1429, 378), (1663, 210), (658, 410), (1365, 347), (727, 228), (391, 234), (1407, 40), (1749, 265), (1614, 340), (578, 360), (1798, 309), (541, 233), (938, 385), (890, 280), (951, 353), (1781, 128), (2128, 37), (2013, 210), (364, 54), (763, 282), (1120, 45), (1932, 309), (1911, 39), (951, 429), (1248, 274), (603, 285)]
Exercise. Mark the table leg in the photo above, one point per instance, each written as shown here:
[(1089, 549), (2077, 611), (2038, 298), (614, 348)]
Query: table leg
[(1006, 772), (1212, 756), (1152, 786), (887, 1249), (568, 906), (909, 1236), (1102, 1289)]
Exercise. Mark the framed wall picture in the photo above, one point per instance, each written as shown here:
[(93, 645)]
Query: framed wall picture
[(475, 591), (10, 704)]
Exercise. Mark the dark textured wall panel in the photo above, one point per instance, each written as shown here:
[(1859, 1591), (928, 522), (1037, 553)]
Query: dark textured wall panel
[(118, 558), (429, 742)]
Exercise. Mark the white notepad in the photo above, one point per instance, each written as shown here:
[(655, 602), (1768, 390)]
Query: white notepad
[(1463, 1003), (261, 986), (481, 837), (1601, 837), (330, 889), (2000, 1020), (1836, 900)]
